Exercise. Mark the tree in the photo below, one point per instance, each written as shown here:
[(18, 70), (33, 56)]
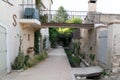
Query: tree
[(38, 4), (36, 41), (74, 20), (61, 15), (53, 36)]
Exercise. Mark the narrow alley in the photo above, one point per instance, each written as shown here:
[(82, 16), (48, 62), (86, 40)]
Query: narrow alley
[(55, 67)]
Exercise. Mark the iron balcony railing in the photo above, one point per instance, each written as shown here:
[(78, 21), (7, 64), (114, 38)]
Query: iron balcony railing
[(86, 16), (30, 11), (49, 15)]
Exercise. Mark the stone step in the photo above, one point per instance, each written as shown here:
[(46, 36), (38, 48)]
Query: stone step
[(87, 70)]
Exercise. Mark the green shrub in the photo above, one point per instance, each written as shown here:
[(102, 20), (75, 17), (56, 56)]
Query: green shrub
[(92, 57), (44, 18), (68, 52), (19, 62), (37, 58), (75, 61), (53, 36), (37, 38), (24, 62)]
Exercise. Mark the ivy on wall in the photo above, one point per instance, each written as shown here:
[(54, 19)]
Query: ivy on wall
[(38, 2), (37, 40)]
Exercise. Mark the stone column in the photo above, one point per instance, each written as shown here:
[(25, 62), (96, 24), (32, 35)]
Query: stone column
[(114, 46)]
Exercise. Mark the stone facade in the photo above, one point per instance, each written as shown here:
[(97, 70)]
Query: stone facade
[(88, 43), (114, 45), (98, 18)]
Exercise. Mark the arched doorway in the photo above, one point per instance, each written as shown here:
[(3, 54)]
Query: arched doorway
[(3, 51)]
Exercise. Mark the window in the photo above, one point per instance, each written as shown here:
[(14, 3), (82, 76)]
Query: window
[(92, 1)]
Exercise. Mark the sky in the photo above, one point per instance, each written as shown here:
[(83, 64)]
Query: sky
[(104, 6)]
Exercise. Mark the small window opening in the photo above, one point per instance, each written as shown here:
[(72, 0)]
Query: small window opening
[(92, 1)]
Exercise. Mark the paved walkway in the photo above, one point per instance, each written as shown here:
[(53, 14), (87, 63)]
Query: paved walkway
[(55, 67)]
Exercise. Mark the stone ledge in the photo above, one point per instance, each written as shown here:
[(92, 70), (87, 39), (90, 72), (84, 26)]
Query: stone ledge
[(114, 22)]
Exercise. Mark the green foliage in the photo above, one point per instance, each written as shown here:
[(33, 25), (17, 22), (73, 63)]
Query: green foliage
[(61, 15), (75, 47), (37, 40), (19, 62), (44, 18), (74, 60), (38, 2), (24, 62), (68, 52), (37, 58), (64, 35), (92, 57), (66, 31), (53, 36), (65, 39), (74, 20)]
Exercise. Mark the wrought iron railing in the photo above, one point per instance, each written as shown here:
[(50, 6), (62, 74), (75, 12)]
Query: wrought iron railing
[(50, 15), (30, 11), (87, 17)]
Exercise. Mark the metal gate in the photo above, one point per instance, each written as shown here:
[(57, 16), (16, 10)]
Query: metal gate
[(102, 47), (3, 51)]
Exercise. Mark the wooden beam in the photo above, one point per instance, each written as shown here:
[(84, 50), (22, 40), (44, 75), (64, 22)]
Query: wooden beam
[(66, 25)]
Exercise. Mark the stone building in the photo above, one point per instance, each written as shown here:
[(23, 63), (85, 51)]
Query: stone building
[(103, 40)]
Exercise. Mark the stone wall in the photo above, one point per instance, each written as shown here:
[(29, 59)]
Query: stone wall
[(95, 17), (88, 43), (114, 46)]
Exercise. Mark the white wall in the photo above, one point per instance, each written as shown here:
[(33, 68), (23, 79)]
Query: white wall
[(47, 4), (13, 32), (6, 18)]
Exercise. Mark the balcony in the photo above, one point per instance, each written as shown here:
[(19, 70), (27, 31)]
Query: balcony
[(48, 20), (30, 17)]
